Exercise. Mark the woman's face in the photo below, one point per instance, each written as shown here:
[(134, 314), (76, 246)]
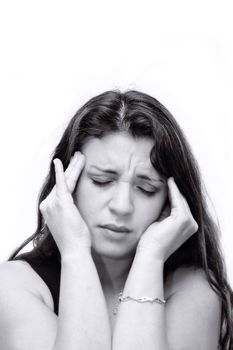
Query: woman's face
[(119, 193)]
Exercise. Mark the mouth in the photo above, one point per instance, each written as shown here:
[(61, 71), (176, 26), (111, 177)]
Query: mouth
[(115, 228)]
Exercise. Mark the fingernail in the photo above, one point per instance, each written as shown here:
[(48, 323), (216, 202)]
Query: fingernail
[(170, 179), (79, 155)]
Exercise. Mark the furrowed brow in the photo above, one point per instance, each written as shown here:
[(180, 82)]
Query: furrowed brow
[(105, 170), (139, 176), (147, 178)]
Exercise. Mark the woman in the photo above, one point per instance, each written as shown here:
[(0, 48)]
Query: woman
[(125, 248)]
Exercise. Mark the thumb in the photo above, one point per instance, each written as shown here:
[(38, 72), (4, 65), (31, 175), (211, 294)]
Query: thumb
[(74, 174), (166, 211)]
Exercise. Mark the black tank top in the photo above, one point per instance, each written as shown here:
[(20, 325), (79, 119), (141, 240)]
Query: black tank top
[(49, 269)]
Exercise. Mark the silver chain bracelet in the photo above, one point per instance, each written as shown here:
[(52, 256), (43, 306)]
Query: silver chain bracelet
[(142, 299)]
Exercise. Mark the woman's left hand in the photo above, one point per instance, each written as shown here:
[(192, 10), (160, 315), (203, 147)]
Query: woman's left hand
[(167, 234)]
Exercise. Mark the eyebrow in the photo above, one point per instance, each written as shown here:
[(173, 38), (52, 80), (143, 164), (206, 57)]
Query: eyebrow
[(114, 172)]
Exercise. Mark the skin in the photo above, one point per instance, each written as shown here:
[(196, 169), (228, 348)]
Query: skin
[(110, 191), (116, 184), (97, 263)]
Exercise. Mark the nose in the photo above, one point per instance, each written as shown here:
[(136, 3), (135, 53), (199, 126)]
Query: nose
[(121, 202)]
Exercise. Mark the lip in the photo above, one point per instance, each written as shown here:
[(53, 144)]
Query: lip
[(115, 228)]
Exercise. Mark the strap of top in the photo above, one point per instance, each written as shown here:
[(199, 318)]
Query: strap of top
[(49, 269)]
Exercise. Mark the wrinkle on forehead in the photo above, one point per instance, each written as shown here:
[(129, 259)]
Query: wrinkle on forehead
[(120, 152)]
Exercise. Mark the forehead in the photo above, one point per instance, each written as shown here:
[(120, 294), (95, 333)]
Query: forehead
[(120, 151)]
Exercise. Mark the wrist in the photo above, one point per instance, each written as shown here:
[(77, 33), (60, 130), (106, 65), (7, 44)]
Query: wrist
[(146, 276), (73, 255), (152, 256)]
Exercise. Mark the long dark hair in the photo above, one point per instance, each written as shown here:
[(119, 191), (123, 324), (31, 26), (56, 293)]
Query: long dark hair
[(143, 116)]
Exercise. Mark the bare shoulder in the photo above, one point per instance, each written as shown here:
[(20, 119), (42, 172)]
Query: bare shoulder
[(27, 320), (192, 283), (187, 278), (18, 276), (193, 310)]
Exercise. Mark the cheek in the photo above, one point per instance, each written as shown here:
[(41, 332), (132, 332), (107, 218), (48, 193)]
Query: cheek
[(159, 204), (150, 210), (80, 196), (86, 200)]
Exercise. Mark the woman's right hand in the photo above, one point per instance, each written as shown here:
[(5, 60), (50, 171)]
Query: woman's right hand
[(59, 211)]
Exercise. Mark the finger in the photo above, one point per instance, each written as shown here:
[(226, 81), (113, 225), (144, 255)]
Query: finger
[(175, 196), (183, 200), (75, 172), (165, 213), (61, 185), (177, 200), (186, 206), (71, 164)]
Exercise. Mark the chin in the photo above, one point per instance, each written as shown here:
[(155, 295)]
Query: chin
[(113, 251)]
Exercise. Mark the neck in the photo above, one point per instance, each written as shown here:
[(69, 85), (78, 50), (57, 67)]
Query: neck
[(112, 272)]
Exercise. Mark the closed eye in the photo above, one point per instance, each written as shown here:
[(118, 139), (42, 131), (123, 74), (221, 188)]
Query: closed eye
[(146, 192), (100, 183), (104, 183)]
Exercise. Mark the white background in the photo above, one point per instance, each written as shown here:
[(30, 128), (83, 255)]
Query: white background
[(57, 54)]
